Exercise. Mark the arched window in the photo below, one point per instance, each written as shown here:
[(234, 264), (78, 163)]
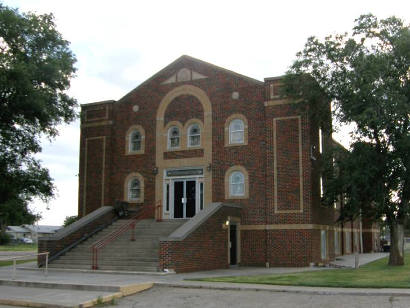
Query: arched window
[(135, 141), (236, 131), (237, 184), (173, 138), (134, 189), (194, 135)]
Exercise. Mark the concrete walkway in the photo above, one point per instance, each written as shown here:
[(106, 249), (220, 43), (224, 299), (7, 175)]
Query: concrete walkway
[(72, 288), (364, 258)]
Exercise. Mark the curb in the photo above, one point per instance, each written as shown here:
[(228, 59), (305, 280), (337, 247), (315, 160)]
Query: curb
[(97, 271), (287, 289), (120, 291)]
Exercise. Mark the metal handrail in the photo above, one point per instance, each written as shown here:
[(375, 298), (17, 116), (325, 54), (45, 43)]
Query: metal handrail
[(22, 257), (143, 213)]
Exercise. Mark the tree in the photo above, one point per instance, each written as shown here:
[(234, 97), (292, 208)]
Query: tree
[(365, 75), (69, 220), (36, 66)]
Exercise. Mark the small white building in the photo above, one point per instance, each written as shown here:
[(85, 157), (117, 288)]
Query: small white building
[(31, 231)]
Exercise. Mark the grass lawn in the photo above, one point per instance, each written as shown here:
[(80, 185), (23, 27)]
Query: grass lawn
[(376, 274), (7, 263), (18, 247)]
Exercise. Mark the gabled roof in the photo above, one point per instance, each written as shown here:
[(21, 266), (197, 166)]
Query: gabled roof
[(17, 229), (42, 229), (185, 57)]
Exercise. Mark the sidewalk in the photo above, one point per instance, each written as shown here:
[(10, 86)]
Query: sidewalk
[(72, 288)]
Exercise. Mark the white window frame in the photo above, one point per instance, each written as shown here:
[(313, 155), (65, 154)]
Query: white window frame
[(130, 143), (321, 186), (231, 131), (169, 138), (320, 141), (194, 135), (130, 182), (231, 184), (323, 244)]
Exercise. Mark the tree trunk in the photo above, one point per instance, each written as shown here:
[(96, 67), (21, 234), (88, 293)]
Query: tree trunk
[(396, 244)]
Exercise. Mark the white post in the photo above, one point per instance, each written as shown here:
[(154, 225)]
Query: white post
[(46, 270), (14, 269)]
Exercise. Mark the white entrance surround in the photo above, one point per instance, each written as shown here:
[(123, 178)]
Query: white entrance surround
[(183, 192)]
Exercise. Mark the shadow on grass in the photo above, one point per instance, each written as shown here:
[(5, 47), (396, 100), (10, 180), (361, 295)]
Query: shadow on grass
[(376, 274)]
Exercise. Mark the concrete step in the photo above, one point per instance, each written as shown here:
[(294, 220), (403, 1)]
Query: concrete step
[(122, 254), (108, 268), (109, 262)]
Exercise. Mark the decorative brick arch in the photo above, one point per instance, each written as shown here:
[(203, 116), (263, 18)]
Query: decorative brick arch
[(206, 141)]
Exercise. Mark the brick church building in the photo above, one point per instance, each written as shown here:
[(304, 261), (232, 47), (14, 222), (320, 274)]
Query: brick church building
[(225, 156)]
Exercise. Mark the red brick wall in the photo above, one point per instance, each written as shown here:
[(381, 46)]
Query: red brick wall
[(253, 247), (184, 154), (184, 108)]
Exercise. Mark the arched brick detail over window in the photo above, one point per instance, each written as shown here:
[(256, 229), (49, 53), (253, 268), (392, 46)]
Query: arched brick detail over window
[(131, 140), (232, 130), (187, 127), (168, 135), (134, 188), (234, 177), (183, 108)]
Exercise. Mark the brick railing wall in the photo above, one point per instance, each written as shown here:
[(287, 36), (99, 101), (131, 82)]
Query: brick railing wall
[(205, 248)]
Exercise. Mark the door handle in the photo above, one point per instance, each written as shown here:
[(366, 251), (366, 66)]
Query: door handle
[(183, 200)]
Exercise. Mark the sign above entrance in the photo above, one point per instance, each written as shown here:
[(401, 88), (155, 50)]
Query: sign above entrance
[(185, 172)]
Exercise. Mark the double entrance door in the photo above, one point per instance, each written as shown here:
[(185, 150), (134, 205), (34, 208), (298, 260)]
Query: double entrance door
[(184, 197)]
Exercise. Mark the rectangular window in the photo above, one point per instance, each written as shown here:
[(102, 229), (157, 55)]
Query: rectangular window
[(201, 196), (323, 244), (167, 198)]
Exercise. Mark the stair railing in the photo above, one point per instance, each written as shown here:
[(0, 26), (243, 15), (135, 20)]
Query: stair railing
[(143, 213)]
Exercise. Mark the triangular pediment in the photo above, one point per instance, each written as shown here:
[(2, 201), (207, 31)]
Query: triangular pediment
[(184, 74)]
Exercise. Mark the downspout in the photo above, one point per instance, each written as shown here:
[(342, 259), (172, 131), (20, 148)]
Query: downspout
[(267, 253), (361, 232)]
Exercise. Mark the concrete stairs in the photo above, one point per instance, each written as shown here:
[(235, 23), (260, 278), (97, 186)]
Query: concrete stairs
[(122, 254)]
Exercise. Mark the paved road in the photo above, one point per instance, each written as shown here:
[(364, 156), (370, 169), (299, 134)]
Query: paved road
[(181, 298)]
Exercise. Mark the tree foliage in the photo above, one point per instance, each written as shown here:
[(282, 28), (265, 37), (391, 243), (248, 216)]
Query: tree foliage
[(36, 66), (69, 220), (366, 76)]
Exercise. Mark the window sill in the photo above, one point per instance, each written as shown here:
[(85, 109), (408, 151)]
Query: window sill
[(235, 144)]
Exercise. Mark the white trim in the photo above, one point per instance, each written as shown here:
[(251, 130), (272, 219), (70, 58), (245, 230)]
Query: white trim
[(169, 138), (231, 184), (231, 131), (189, 135)]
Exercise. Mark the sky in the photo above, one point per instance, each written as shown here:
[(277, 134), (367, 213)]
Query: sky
[(119, 44)]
